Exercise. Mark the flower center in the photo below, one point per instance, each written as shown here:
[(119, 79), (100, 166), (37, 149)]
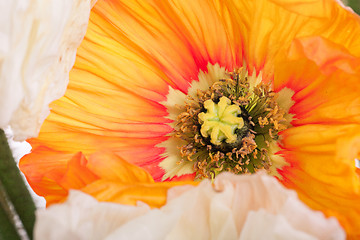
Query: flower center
[(220, 121), (230, 126)]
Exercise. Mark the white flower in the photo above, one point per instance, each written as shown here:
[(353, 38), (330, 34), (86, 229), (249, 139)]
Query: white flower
[(38, 42), (234, 207)]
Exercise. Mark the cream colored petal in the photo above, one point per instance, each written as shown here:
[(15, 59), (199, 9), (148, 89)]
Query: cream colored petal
[(82, 217), (37, 50), (172, 163), (223, 213), (233, 207), (274, 227)]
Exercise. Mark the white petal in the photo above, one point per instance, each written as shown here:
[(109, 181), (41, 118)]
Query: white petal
[(37, 50), (82, 217), (275, 227), (233, 207)]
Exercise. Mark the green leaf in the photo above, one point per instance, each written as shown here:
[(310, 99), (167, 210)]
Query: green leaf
[(15, 187)]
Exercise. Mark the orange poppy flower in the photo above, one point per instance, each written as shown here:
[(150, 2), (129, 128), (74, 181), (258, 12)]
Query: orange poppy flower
[(287, 100)]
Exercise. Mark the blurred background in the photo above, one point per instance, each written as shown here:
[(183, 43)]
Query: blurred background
[(354, 4)]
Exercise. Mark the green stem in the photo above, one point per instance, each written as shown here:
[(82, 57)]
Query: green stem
[(15, 186), (7, 224)]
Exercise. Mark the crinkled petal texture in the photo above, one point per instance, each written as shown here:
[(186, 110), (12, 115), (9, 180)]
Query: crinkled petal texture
[(234, 207), (134, 50), (323, 143), (37, 51)]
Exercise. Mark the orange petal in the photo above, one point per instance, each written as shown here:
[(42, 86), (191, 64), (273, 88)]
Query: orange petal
[(113, 168), (322, 170), (153, 194), (105, 176), (53, 177), (175, 35), (77, 175), (314, 69), (41, 169), (269, 27), (325, 77), (125, 183)]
